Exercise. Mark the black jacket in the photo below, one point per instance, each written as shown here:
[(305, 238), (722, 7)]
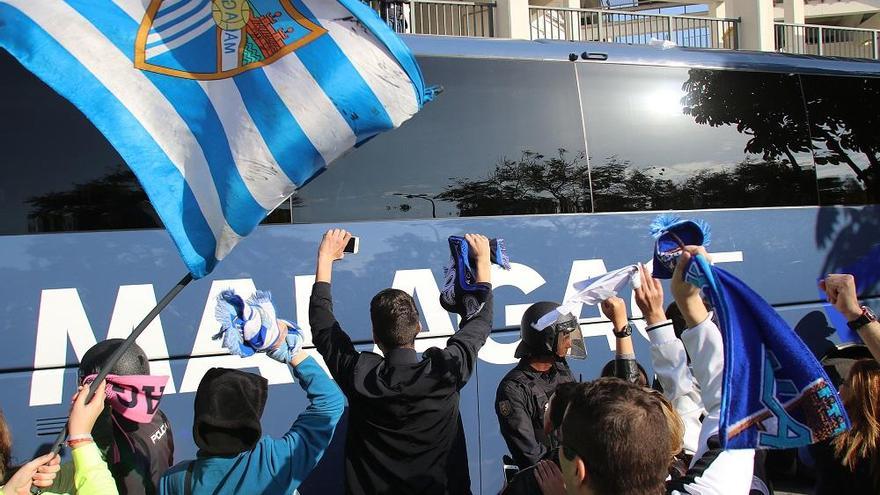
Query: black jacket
[(833, 477), (404, 428), (519, 403)]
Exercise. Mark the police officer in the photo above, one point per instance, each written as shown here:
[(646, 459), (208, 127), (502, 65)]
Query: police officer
[(547, 337)]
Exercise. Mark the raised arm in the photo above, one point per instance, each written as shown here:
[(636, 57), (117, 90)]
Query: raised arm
[(332, 342), (702, 339), (295, 455), (463, 347), (669, 360), (712, 470), (841, 292), (625, 366)]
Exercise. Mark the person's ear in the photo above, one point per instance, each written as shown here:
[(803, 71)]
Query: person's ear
[(378, 344), (581, 471)]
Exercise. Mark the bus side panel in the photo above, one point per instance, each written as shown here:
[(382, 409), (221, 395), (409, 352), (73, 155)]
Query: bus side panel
[(65, 291)]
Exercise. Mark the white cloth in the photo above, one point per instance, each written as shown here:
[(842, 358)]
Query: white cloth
[(592, 291)]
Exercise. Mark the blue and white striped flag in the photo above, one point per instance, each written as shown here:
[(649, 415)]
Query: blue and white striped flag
[(222, 108)]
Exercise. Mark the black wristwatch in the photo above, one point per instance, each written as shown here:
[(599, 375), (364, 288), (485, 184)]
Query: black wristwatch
[(867, 316), (626, 332)]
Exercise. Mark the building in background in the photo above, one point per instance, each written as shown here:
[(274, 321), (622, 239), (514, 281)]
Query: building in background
[(824, 27)]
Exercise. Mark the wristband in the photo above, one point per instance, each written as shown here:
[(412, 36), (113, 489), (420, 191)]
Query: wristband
[(658, 325), (81, 436), (76, 443)]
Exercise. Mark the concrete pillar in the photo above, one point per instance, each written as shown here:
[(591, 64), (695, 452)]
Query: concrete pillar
[(572, 20), (722, 39), (512, 19), (793, 11), (756, 26)]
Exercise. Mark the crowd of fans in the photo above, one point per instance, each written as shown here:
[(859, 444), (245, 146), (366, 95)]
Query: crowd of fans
[(622, 433)]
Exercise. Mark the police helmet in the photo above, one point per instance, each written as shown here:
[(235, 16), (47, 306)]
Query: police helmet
[(538, 341), (133, 362)]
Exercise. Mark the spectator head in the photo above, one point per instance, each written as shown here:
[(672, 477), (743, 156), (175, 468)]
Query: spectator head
[(557, 405), (395, 319), (228, 406), (5, 447), (839, 360), (861, 398), (608, 371), (133, 362), (615, 439)]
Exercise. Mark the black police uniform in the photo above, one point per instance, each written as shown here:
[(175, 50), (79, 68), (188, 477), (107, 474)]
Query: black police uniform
[(520, 401)]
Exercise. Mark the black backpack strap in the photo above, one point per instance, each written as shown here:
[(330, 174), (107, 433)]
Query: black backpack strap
[(187, 479)]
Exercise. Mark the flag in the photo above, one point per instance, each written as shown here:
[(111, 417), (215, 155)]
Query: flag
[(774, 394), (222, 108)]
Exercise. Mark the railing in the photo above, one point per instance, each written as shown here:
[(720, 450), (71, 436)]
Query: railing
[(451, 18), (812, 39), (631, 27)]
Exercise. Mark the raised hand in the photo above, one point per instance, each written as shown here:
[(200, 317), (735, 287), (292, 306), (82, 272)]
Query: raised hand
[(615, 310), (288, 348), (687, 296), (332, 244), (841, 292), (331, 249), (649, 297), (479, 249), (82, 415)]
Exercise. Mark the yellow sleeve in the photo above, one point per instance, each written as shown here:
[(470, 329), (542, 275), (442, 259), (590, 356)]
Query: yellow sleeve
[(92, 476)]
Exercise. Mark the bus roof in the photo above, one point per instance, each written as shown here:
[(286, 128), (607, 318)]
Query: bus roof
[(619, 53)]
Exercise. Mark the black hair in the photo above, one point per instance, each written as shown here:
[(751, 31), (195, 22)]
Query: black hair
[(395, 318)]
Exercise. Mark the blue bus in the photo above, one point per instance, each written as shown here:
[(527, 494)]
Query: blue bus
[(565, 150)]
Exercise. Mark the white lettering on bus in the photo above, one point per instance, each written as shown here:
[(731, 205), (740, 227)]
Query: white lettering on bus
[(62, 319)]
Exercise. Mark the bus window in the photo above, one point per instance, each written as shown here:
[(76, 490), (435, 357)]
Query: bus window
[(845, 132), (505, 137), (678, 138), (59, 173)]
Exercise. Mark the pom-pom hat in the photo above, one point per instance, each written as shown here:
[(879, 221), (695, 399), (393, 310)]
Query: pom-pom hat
[(672, 234)]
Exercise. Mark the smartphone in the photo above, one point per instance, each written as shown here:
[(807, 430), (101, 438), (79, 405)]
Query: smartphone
[(352, 246)]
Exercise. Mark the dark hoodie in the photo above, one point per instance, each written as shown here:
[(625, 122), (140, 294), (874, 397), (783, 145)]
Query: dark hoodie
[(233, 457)]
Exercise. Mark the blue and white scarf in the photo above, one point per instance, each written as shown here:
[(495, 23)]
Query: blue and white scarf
[(461, 293), (774, 394), (248, 326)]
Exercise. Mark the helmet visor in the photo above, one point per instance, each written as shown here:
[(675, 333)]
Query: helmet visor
[(569, 338)]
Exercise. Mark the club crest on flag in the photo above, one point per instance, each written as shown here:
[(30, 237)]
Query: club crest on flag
[(217, 39)]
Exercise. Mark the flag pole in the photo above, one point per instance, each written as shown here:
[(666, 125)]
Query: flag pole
[(111, 362)]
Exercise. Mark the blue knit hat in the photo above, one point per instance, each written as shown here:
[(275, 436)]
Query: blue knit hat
[(672, 234)]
